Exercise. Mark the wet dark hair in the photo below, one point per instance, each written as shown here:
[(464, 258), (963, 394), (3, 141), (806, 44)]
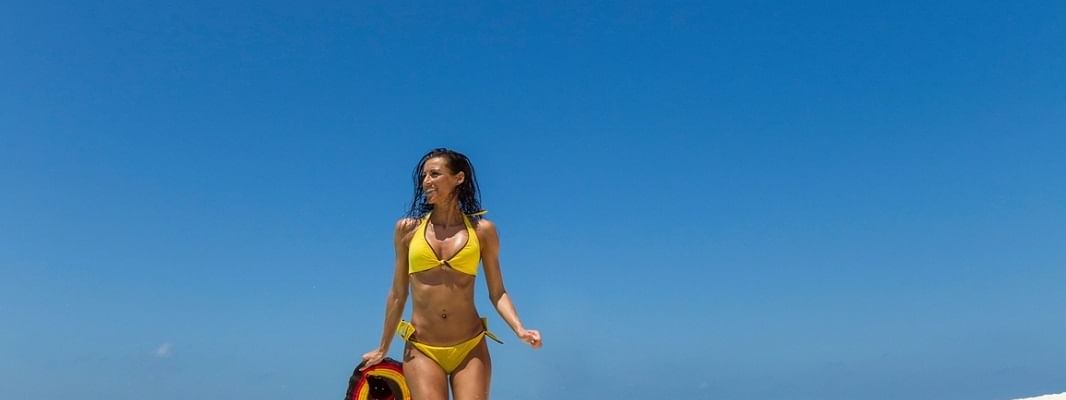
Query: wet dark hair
[(468, 192)]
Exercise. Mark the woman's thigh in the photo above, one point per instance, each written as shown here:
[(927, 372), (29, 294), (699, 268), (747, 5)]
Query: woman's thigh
[(425, 379), (470, 381)]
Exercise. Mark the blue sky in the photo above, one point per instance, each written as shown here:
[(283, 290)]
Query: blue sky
[(772, 200)]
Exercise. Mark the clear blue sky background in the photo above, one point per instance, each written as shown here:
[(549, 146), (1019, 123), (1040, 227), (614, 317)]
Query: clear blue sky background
[(773, 200)]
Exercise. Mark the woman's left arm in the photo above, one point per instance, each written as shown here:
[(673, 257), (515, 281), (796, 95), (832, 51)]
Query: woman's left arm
[(490, 259)]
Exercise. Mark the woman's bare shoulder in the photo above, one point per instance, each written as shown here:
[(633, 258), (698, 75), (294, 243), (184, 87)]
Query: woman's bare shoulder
[(405, 227), (485, 227), (406, 223)]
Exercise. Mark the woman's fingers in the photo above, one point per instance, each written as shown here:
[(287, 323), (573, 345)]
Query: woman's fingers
[(371, 359), (369, 363), (532, 337)]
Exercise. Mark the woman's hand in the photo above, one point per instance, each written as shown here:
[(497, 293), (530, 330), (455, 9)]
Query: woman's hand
[(531, 337), (372, 358)]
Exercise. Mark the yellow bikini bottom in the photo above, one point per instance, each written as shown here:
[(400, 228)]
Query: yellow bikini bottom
[(448, 357)]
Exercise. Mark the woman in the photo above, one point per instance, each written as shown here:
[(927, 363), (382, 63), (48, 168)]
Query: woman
[(438, 247)]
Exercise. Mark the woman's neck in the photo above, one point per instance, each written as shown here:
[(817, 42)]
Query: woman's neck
[(446, 214)]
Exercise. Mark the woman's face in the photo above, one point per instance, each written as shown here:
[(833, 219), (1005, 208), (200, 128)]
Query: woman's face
[(438, 181)]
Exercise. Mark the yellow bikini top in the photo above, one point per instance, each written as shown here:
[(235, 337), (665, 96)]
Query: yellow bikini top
[(420, 256)]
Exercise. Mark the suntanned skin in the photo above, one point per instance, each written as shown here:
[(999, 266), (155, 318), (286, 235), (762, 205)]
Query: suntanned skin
[(443, 311)]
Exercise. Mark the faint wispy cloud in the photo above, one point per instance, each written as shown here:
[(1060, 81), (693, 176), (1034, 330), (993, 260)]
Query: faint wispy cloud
[(1060, 396), (164, 350)]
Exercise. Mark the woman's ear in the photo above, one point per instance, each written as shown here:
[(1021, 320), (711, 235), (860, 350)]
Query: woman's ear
[(461, 176)]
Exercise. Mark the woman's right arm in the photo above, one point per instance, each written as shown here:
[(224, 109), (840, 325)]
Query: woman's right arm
[(397, 296)]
